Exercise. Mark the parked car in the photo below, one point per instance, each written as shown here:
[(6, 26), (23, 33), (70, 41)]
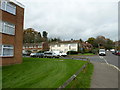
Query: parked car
[(33, 54), (60, 53), (40, 55), (102, 52), (63, 54), (114, 52), (26, 53), (117, 53), (50, 54)]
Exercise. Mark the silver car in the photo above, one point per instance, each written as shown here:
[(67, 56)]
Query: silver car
[(50, 54)]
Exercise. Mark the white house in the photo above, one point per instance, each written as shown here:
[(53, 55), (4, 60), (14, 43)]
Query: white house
[(65, 46)]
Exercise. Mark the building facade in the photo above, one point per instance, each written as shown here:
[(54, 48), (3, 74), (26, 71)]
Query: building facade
[(65, 46), (73, 45), (11, 32), (35, 47)]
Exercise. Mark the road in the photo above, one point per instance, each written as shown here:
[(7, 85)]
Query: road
[(109, 58)]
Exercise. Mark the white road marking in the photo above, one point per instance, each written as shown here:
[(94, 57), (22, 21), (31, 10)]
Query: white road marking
[(115, 67), (105, 60), (109, 64)]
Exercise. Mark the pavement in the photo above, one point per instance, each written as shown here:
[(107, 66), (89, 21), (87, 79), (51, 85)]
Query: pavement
[(104, 76)]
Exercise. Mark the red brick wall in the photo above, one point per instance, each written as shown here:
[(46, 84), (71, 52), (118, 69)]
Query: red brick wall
[(15, 40)]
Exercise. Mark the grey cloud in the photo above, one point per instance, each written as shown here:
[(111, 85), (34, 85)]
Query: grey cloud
[(73, 18)]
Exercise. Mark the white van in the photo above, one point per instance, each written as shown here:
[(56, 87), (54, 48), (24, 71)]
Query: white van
[(102, 52)]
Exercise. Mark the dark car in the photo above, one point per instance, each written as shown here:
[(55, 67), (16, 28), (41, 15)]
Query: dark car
[(114, 52), (118, 53), (40, 55)]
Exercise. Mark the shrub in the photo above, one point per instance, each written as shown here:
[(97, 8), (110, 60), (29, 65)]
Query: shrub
[(40, 51), (72, 52)]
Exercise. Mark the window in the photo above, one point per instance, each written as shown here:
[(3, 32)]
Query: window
[(7, 28), (30, 46), (73, 45), (58, 45), (0, 50), (39, 46), (11, 8), (6, 50), (73, 49), (0, 26), (7, 6), (55, 45), (65, 45)]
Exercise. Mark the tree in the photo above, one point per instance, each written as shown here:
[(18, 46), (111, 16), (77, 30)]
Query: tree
[(54, 40), (101, 42), (31, 36), (93, 41), (45, 34), (81, 40), (109, 44)]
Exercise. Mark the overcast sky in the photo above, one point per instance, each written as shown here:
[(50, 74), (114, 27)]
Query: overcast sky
[(75, 19)]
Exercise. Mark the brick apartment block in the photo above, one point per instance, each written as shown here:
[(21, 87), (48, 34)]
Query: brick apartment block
[(11, 32)]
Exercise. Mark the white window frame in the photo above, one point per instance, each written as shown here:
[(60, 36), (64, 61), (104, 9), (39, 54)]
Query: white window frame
[(7, 28), (0, 26), (5, 4), (73, 45), (65, 45), (5, 47), (40, 46)]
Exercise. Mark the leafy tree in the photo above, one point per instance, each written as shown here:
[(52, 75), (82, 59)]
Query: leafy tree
[(54, 40), (109, 44), (45, 34), (93, 41), (31, 36), (81, 40)]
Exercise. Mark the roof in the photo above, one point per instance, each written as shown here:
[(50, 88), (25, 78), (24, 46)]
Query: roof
[(66, 42), (32, 44), (16, 2)]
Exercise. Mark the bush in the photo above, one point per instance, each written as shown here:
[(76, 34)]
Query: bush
[(72, 52), (40, 51), (87, 51)]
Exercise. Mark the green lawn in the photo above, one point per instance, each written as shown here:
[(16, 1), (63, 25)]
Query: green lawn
[(39, 73), (83, 80)]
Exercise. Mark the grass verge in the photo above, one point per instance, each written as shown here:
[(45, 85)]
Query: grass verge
[(39, 73), (83, 80)]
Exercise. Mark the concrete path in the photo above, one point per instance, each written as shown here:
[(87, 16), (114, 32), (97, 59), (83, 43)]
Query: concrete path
[(104, 76)]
